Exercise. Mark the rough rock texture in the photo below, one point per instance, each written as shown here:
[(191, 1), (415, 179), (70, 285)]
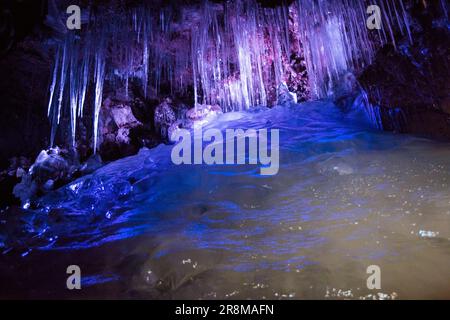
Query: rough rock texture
[(23, 91), (411, 85), (18, 167), (296, 76)]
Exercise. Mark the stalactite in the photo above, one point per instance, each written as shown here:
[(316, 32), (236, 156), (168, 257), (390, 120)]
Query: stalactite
[(74, 88), (66, 52)]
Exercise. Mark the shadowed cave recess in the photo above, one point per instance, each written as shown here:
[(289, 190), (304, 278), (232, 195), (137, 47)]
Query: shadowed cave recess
[(87, 117)]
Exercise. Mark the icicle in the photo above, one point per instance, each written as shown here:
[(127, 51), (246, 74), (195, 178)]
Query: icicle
[(73, 92), (99, 75), (54, 79)]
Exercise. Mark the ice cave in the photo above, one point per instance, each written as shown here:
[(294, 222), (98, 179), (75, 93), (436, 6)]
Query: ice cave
[(225, 149)]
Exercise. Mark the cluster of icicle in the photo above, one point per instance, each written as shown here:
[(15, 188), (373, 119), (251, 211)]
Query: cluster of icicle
[(232, 61), (118, 50), (234, 55)]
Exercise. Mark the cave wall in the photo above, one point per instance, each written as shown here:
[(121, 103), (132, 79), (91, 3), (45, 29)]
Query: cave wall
[(410, 85)]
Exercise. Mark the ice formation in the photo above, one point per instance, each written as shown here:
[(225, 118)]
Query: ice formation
[(233, 56)]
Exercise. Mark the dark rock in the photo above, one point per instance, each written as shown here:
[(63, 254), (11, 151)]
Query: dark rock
[(143, 136), (411, 86), (25, 72), (297, 79), (165, 116), (177, 125)]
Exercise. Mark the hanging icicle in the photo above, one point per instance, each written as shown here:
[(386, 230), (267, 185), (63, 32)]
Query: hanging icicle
[(236, 55)]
